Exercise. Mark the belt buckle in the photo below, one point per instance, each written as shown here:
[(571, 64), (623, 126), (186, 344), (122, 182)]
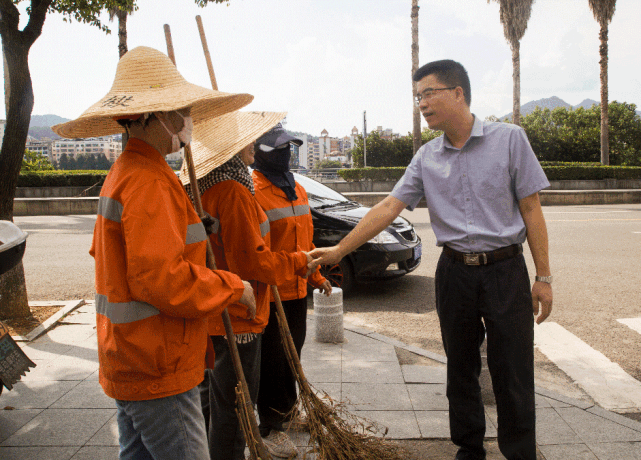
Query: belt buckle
[(471, 259)]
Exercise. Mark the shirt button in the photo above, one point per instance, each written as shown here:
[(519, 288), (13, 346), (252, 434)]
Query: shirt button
[(467, 199), (469, 222), (464, 175)]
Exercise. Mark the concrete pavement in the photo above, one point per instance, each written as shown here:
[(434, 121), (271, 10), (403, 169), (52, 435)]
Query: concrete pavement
[(59, 412)]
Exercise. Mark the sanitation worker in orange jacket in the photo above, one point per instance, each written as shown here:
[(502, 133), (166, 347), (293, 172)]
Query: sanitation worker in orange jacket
[(154, 293), (285, 203), (240, 240)]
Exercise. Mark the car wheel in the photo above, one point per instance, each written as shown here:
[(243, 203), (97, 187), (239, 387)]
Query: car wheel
[(339, 275)]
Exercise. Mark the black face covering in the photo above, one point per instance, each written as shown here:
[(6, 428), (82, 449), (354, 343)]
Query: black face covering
[(275, 166)]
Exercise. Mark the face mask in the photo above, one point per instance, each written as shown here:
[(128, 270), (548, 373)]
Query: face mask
[(183, 137)]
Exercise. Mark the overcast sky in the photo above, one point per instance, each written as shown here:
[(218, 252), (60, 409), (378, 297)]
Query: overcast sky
[(327, 61)]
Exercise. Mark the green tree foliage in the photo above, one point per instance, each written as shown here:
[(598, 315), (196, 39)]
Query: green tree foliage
[(328, 164), (35, 161), (574, 135), (383, 152), (84, 162)]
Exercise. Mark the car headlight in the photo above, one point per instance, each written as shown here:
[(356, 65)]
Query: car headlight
[(384, 237)]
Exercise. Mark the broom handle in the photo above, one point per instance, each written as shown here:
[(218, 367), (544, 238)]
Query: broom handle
[(211, 263), (203, 40)]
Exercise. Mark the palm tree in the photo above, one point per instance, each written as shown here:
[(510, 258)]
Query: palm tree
[(514, 16), (121, 9), (416, 113), (603, 10)]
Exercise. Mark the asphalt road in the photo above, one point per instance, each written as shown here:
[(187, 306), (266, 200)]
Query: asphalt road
[(595, 255)]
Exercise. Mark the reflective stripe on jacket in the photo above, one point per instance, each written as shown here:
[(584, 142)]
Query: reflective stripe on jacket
[(241, 242), (154, 292), (291, 230)]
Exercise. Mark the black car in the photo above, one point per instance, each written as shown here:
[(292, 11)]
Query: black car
[(392, 253)]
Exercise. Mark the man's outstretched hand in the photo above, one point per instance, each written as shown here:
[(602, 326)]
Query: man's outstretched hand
[(326, 256)]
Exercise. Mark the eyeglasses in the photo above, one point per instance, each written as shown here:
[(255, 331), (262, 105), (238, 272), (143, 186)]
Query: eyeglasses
[(429, 92)]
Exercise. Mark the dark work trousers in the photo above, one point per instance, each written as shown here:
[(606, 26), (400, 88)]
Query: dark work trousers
[(496, 298), (226, 440), (277, 395)]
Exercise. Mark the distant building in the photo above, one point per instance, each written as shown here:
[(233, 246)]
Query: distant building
[(386, 133), (109, 146), (42, 146)]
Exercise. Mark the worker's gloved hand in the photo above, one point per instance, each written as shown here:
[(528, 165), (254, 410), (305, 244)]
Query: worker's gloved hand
[(211, 224), (249, 299)]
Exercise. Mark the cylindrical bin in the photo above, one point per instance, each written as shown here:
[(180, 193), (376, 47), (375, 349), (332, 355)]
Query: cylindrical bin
[(328, 313)]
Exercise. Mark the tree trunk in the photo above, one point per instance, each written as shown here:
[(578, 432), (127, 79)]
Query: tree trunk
[(7, 84), (417, 112), (16, 45), (13, 294), (516, 84), (605, 122)]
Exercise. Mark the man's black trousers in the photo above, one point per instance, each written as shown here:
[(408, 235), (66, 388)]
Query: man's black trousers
[(277, 394), (470, 301)]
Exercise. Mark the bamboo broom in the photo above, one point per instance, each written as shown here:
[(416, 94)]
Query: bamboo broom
[(244, 406), (334, 437)]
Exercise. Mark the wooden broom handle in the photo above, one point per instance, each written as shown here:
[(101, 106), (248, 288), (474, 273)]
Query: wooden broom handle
[(203, 40)]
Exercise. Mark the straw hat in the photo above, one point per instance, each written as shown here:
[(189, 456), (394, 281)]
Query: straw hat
[(147, 81), (217, 140)]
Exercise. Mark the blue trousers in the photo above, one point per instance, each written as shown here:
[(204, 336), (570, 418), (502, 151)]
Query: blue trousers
[(170, 428), (470, 301)]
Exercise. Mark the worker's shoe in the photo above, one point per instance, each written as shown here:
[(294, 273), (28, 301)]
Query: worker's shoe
[(298, 423), (278, 444)]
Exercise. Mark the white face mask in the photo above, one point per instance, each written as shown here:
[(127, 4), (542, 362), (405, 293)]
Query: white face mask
[(183, 136)]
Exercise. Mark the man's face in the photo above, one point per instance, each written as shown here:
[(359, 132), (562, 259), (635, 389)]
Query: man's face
[(247, 154), (437, 108)]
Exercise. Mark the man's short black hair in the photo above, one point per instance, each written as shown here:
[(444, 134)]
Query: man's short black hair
[(448, 72)]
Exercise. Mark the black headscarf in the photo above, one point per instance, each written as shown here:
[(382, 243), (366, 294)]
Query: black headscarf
[(275, 167)]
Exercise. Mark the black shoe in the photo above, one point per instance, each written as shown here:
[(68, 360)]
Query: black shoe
[(467, 455)]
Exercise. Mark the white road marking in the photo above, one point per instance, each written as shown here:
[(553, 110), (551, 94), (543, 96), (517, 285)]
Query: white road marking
[(583, 212), (609, 385), (632, 323)]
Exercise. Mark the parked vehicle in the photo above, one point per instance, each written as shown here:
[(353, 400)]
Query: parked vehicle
[(394, 252)]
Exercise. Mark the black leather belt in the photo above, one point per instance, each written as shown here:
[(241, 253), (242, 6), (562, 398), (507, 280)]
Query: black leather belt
[(484, 258)]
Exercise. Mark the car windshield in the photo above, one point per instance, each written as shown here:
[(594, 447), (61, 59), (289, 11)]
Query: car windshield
[(319, 195)]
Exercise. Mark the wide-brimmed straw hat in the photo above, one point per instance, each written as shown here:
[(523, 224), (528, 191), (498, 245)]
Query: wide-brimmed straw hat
[(216, 141), (147, 81)]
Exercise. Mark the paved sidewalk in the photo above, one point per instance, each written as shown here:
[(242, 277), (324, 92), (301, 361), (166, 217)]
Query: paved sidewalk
[(60, 412)]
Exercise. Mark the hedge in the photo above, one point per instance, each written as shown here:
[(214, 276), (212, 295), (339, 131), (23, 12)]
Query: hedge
[(61, 178), (553, 169)]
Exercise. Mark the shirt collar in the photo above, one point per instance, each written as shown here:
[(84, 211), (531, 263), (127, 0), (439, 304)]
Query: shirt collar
[(477, 131)]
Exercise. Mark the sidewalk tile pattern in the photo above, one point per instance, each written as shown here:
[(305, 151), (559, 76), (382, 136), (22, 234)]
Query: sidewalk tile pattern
[(59, 412)]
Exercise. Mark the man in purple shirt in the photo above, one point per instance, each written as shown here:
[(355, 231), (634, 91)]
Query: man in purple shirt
[(481, 182)]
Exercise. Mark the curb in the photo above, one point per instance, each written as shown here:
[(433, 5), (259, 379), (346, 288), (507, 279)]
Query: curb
[(68, 307), (591, 408)]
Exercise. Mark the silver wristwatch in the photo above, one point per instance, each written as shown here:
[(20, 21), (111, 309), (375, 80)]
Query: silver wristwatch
[(544, 279)]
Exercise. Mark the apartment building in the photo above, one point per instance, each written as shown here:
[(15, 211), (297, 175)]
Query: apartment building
[(41, 146), (109, 146)]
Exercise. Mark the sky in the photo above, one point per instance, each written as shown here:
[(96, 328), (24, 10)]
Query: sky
[(325, 62)]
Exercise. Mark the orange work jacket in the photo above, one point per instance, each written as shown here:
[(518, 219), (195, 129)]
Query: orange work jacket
[(291, 230), (241, 244), (153, 290)]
